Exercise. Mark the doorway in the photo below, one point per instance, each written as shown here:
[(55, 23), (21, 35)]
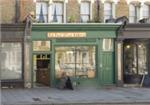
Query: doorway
[(41, 70), (135, 61)]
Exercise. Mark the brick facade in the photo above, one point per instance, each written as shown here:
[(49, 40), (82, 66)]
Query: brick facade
[(122, 9), (7, 11), (72, 10)]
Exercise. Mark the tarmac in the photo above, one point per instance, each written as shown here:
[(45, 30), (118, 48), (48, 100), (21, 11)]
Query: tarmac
[(80, 96)]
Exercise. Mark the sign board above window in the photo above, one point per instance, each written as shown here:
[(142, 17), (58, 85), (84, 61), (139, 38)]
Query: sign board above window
[(66, 35)]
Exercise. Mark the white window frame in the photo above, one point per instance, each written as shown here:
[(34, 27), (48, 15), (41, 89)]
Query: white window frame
[(136, 16), (37, 15), (90, 10), (50, 19), (113, 10), (148, 10)]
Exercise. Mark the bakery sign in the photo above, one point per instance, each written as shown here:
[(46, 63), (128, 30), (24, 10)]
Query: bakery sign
[(66, 35)]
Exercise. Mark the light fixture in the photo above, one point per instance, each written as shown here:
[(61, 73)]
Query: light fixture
[(128, 46), (140, 46), (34, 0)]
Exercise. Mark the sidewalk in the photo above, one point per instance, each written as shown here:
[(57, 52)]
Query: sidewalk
[(50, 96)]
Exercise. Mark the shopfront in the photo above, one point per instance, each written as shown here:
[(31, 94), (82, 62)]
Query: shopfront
[(86, 52), (11, 54), (135, 42)]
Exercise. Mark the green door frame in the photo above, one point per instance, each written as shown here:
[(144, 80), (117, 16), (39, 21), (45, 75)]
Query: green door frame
[(32, 66)]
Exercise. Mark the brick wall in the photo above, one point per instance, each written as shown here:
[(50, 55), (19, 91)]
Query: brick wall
[(7, 11), (122, 9), (26, 7), (73, 10)]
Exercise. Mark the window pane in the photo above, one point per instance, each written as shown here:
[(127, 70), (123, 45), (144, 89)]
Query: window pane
[(85, 11), (146, 11), (11, 54), (41, 45), (57, 9), (107, 45), (42, 6), (107, 11), (76, 61)]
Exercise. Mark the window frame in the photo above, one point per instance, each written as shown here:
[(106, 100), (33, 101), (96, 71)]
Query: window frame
[(45, 15), (88, 15), (52, 12)]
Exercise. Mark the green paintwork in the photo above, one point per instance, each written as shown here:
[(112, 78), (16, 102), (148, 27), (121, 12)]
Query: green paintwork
[(94, 36)]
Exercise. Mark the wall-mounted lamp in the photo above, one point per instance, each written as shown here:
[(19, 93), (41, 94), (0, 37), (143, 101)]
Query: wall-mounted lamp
[(128, 46)]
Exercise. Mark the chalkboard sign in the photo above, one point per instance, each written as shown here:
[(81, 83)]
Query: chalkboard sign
[(146, 82)]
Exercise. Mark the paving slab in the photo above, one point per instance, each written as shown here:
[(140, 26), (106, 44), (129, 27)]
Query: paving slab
[(80, 96)]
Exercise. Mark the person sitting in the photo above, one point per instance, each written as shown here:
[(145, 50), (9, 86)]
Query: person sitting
[(69, 84)]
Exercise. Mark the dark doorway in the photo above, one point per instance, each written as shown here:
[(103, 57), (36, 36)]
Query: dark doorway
[(135, 61), (42, 70)]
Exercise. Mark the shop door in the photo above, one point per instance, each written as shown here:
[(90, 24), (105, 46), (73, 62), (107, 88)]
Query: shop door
[(76, 61), (42, 69), (107, 68)]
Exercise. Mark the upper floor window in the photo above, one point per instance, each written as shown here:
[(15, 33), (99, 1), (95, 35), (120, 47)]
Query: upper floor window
[(42, 12), (57, 12), (134, 13), (146, 11), (85, 11), (108, 10)]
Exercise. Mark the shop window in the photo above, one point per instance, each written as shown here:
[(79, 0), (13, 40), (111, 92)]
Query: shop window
[(41, 45), (76, 61), (146, 11), (107, 45), (11, 57), (85, 11), (135, 59), (108, 11), (134, 13), (42, 12), (57, 13)]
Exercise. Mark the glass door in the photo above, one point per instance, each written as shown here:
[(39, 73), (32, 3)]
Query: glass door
[(76, 61)]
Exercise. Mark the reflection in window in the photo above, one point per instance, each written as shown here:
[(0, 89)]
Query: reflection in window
[(85, 11), (107, 45), (11, 54), (41, 45), (135, 58), (75, 61)]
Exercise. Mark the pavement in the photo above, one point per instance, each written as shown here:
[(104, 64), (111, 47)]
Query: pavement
[(80, 96)]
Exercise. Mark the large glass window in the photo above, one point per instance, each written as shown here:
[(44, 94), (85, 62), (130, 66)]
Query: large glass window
[(42, 12), (85, 11), (57, 12), (76, 61), (135, 59), (11, 61), (108, 11)]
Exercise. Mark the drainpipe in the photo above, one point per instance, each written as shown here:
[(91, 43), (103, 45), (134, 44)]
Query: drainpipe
[(17, 11)]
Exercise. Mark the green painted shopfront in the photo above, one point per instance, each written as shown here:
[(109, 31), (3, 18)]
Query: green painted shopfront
[(86, 52)]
